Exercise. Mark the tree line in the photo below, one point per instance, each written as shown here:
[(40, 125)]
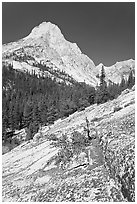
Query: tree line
[(29, 101)]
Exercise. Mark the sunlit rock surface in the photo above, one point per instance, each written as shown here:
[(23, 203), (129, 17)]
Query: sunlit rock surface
[(47, 46), (30, 172)]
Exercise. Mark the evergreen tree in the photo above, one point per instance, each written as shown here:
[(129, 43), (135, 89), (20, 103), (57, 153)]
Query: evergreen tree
[(27, 114), (123, 84), (91, 96), (113, 90), (102, 94), (102, 77), (131, 80), (43, 111)]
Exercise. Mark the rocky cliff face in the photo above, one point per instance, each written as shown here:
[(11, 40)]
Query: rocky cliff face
[(46, 45), (33, 171)]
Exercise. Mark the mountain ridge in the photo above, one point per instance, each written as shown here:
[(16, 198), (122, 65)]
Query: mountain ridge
[(46, 43)]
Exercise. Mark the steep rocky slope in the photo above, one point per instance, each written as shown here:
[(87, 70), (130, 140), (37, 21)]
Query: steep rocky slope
[(31, 172), (46, 46)]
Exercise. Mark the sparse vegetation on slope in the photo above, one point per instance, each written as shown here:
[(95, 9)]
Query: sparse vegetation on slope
[(69, 147)]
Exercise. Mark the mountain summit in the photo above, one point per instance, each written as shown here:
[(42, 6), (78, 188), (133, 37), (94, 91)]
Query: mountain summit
[(46, 46), (46, 28)]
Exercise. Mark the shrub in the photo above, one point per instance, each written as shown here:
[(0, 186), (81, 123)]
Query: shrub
[(52, 137), (64, 156), (69, 148), (79, 142)]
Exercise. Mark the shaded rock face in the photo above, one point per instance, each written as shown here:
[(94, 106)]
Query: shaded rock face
[(31, 172), (47, 46)]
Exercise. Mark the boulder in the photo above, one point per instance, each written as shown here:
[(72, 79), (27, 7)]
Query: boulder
[(37, 136)]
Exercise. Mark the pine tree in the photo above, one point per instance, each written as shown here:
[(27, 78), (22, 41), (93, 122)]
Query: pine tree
[(102, 77), (16, 115), (36, 116), (27, 114), (123, 84), (131, 80), (43, 111), (102, 94)]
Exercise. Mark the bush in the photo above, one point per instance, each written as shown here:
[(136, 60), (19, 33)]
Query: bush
[(52, 137), (64, 157), (68, 148), (79, 142)]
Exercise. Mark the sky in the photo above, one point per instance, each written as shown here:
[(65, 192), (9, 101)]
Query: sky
[(104, 31)]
